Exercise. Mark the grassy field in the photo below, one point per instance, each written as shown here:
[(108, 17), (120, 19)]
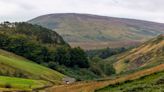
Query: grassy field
[(16, 66), (91, 86), (12, 83)]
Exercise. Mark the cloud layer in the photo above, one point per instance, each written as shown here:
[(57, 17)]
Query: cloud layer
[(23, 10)]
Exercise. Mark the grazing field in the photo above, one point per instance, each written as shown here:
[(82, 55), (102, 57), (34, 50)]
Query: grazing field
[(91, 86), (16, 66), (12, 83)]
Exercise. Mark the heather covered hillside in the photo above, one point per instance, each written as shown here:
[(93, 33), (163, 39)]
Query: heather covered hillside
[(93, 31), (149, 53)]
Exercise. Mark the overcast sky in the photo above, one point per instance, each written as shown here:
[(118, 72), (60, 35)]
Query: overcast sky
[(23, 10)]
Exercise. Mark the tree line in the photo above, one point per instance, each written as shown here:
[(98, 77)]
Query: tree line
[(40, 45), (106, 52)]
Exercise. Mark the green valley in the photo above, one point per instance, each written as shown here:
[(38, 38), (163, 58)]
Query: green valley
[(118, 55)]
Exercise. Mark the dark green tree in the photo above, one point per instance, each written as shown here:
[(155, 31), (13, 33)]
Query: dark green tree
[(61, 56), (78, 57)]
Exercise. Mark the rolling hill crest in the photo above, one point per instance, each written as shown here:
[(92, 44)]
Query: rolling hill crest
[(93, 31)]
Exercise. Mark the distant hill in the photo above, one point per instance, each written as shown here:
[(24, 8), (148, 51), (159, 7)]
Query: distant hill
[(93, 31), (149, 53)]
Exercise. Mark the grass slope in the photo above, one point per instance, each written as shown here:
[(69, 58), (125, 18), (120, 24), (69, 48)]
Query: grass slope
[(16, 66), (12, 83), (92, 31)]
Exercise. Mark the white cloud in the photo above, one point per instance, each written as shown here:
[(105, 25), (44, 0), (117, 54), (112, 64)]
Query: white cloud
[(22, 10), (7, 9)]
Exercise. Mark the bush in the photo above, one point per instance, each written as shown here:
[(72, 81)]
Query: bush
[(108, 69)]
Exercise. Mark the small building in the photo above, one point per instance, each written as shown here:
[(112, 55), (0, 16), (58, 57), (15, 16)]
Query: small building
[(68, 80)]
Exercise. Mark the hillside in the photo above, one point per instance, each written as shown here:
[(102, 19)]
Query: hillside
[(91, 86), (149, 53), (45, 47), (148, 75), (93, 31), (17, 66), (151, 83), (35, 33)]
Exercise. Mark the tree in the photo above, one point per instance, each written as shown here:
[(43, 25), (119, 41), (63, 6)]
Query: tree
[(4, 41), (40, 45), (78, 57), (61, 55)]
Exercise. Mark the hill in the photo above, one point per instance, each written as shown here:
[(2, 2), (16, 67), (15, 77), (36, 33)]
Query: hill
[(93, 31), (148, 54), (17, 66)]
